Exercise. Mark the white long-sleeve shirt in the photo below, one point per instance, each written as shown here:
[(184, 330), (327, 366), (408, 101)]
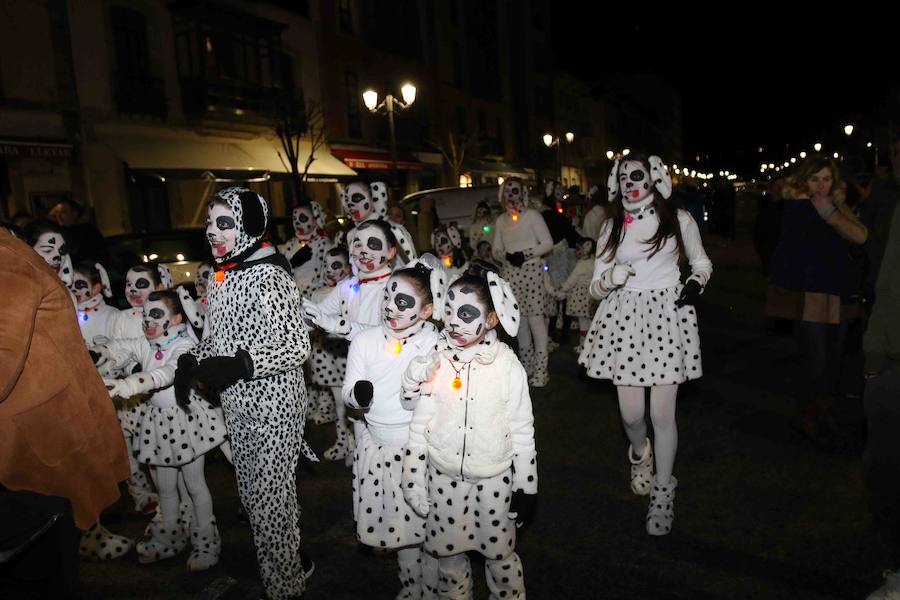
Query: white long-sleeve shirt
[(157, 374), (661, 270), (529, 234), (373, 357), (358, 299)]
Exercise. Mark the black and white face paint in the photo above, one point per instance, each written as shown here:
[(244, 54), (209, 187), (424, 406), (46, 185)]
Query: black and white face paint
[(82, 289), (359, 204), (304, 222), (221, 230), (370, 250), (442, 244), (465, 316), (513, 198), (138, 286), (51, 247), (635, 184), (403, 306), (159, 322), (337, 269), (201, 281)]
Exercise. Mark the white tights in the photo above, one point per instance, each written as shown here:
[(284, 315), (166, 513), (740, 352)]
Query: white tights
[(584, 323), (340, 409), (166, 479), (662, 415), (533, 334)]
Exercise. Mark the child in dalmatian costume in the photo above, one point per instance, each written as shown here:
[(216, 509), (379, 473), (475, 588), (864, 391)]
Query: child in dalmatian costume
[(575, 289), (376, 363), (251, 358), (128, 324), (471, 465), (306, 250), (521, 239), (644, 334), (365, 202), (170, 437), (328, 362), (354, 305), (90, 287), (447, 243)]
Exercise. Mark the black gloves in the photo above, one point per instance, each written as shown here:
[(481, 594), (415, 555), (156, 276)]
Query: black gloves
[(220, 372), (690, 294), (363, 392), (516, 259), (184, 374), (523, 505), (301, 256)]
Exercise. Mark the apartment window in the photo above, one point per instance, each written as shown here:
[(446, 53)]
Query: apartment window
[(345, 15), (460, 120), (351, 89), (136, 91)]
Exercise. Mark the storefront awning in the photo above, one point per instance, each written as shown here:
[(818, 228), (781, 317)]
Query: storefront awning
[(374, 159), (195, 153)]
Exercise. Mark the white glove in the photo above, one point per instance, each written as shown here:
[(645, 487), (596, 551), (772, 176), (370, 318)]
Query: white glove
[(417, 498), (118, 388), (422, 368), (105, 363), (327, 323), (616, 276)]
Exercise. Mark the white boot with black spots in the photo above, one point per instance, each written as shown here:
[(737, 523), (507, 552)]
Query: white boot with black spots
[(98, 543), (641, 469), (662, 508), (207, 546), (341, 447), (163, 541)]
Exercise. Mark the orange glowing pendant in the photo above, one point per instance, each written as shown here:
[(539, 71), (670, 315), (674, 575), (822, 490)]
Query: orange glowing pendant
[(515, 217), (456, 383), (220, 276), (398, 348)]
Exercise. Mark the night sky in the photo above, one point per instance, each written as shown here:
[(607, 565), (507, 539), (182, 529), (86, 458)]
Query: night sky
[(745, 80)]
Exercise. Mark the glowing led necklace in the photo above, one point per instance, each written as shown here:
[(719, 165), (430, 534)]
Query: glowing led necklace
[(456, 384)]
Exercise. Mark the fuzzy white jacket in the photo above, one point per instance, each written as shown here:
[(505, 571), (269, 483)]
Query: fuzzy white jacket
[(479, 430)]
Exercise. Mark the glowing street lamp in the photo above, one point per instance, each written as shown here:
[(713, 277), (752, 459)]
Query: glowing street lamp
[(848, 129), (803, 155), (626, 151), (817, 147), (370, 99), (610, 154), (550, 140)]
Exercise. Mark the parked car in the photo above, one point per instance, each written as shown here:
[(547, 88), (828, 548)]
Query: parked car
[(182, 250)]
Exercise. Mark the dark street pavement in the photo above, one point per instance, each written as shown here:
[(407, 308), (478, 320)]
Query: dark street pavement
[(759, 512)]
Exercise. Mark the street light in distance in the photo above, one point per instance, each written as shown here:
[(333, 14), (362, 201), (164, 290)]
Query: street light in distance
[(370, 99)]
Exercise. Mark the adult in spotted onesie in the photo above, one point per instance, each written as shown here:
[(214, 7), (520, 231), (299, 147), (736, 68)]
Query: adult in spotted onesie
[(251, 358), (521, 239), (471, 466), (644, 333)]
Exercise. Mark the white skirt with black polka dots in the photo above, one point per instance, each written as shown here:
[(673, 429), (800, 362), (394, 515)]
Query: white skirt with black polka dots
[(640, 338), (470, 515), (383, 518), (527, 283), (170, 437), (579, 303)]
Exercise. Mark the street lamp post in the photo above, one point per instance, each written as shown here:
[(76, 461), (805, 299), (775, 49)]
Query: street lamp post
[(370, 98), (550, 141)]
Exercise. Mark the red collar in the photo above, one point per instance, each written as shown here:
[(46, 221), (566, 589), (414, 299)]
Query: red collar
[(368, 279)]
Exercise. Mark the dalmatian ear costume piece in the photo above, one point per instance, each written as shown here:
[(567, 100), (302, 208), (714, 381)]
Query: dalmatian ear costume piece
[(612, 182), (165, 277), (104, 280), (190, 307), (662, 179), (437, 281), (505, 304), (378, 196), (318, 215), (251, 215)]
